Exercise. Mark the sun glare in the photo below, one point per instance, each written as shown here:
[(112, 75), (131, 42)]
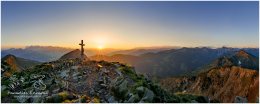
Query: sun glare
[(100, 47)]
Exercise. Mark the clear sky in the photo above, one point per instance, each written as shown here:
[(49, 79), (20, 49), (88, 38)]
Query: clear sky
[(130, 24)]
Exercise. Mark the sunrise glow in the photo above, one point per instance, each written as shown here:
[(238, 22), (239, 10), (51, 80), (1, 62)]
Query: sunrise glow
[(100, 47)]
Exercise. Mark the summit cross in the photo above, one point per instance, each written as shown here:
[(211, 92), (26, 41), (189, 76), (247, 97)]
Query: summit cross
[(82, 49)]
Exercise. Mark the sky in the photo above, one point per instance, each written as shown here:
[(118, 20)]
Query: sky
[(126, 25)]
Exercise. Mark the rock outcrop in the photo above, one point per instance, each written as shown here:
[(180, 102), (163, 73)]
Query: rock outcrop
[(226, 78), (73, 55), (222, 84), (11, 64)]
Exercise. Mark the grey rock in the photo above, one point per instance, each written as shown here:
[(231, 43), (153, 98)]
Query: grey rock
[(240, 99), (100, 79), (3, 87), (92, 92), (38, 99), (112, 100), (117, 65), (105, 70), (56, 90), (194, 101), (118, 72), (64, 73), (133, 98), (123, 87), (74, 67), (21, 98), (148, 95), (140, 90), (207, 99), (103, 85)]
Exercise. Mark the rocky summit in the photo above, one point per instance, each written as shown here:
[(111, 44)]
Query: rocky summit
[(73, 55), (77, 81)]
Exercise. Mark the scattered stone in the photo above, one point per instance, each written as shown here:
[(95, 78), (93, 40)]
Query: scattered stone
[(99, 66), (92, 92), (118, 72), (21, 98), (3, 87), (123, 87), (74, 67), (240, 99), (103, 85), (133, 98), (194, 101), (112, 100), (56, 90), (64, 73), (148, 96), (106, 71)]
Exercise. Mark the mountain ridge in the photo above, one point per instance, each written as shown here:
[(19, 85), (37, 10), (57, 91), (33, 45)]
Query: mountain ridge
[(223, 80), (171, 62), (15, 64)]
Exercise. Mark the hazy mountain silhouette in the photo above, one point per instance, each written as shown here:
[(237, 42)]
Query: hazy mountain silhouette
[(142, 50), (172, 62), (48, 53), (51, 53), (38, 53)]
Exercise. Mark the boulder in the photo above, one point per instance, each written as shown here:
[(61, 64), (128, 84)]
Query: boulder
[(119, 87), (146, 94), (132, 98), (20, 98), (3, 87), (240, 99), (112, 100), (194, 101), (118, 72), (123, 87)]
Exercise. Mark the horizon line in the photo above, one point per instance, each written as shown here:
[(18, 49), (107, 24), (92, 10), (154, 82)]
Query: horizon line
[(142, 47)]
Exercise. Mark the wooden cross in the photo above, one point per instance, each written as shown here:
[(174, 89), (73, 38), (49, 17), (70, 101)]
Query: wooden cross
[(82, 49)]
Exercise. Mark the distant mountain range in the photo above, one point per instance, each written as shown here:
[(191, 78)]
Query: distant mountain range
[(158, 61), (47, 53), (143, 50), (173, 62), (38, 53), (51, 53)]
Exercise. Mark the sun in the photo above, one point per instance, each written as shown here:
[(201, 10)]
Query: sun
[(100, 47)]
